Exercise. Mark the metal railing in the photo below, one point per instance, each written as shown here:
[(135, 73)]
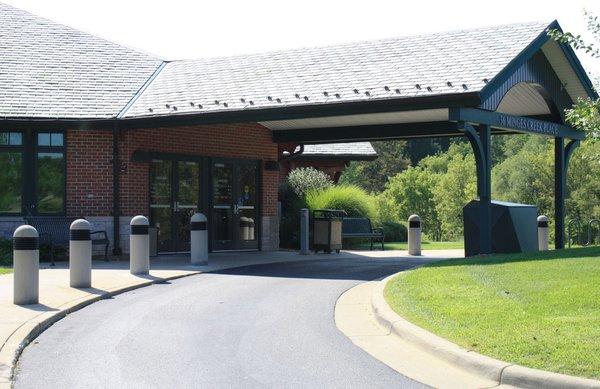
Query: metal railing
[(577, 234)]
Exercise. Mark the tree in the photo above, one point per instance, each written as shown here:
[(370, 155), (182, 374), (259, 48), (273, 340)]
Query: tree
[(373, 175), (410, 192), (527, 174), (584, 178), (453, 191)]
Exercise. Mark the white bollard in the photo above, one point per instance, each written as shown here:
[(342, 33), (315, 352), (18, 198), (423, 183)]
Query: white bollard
[(26, 266), (244, 228), (250, 228), (80, 254), (304, 232), (199, 239), (414, 235), (139, 246), (542, 223)]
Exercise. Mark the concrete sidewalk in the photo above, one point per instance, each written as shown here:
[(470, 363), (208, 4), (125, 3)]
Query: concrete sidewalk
[(364, 316), (354, 317), (21, 324)]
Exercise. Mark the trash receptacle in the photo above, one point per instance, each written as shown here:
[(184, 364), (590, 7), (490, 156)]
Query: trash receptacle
[(514, 228), (327, 230)]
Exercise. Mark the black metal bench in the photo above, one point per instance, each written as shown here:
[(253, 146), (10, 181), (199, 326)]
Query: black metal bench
[(54, 231), (360, 227)]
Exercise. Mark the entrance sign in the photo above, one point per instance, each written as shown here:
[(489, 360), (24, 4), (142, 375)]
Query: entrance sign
[(530, 125), (514, 123)]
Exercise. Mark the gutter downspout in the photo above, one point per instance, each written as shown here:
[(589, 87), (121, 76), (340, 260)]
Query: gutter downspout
[(116, 191)]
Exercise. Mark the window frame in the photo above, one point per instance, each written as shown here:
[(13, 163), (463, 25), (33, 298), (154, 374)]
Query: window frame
[(37, 149), (21, 150), (29, 150)]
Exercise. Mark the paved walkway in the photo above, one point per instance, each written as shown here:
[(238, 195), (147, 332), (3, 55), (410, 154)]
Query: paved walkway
[(19, 324), (250, 327)]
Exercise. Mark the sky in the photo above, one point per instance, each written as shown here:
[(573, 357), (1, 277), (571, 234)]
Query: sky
[(177, 29)]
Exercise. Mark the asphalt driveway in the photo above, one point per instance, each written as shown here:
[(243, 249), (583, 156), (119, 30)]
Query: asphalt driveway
[(257, 326)]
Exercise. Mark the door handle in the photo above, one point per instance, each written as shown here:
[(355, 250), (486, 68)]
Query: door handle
[(236, 210)]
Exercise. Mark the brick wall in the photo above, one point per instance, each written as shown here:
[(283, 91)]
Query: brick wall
[(89, 162), (89, 173)]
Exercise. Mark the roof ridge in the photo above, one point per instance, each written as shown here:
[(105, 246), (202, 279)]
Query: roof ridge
[(353, 43), (80, 30), (140, 91)]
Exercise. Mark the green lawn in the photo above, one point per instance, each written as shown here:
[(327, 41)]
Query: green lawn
[(539, 310), (5, 270), (404, 245)]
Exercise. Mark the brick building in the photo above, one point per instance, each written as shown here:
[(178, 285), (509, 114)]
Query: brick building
[(89, 128)]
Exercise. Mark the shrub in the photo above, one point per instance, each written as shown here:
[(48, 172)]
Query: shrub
[(395, 232), (352, 199), (413, 192), (387, 210), (307, 179)]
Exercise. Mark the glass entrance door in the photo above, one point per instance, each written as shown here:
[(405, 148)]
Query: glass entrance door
[(174, 198), (235, 205)]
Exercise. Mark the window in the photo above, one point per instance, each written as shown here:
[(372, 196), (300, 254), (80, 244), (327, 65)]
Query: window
[(11, 172), (50, 139), (11, 139), (32, 172), (50, 173), (11, 182), (50, 182)]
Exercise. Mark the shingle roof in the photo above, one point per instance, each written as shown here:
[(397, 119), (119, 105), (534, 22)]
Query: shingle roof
[(444, 63), (48, 70), (356, 149)]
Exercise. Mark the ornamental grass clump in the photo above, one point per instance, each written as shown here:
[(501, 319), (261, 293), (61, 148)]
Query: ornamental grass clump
[(306, 179), (352, 199)]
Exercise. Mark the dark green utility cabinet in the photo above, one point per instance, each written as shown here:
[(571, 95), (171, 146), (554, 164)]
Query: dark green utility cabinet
[(514, 227)]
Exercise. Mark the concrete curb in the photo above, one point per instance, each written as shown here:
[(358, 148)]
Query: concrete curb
[(503, 373)]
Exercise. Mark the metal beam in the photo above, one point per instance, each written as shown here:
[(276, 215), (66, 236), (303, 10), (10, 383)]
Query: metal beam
[(562, 156), (514, 123), (559, 193), (480, 141)]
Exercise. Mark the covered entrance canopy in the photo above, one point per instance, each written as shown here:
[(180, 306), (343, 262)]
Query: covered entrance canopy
[(499, 80)]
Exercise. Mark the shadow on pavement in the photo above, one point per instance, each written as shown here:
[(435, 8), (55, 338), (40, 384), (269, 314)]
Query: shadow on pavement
[(359, 268)]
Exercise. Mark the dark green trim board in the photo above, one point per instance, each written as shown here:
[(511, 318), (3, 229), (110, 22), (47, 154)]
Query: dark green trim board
[(529, 52), (513, 65), (368, 132), (539, 74), (308, 111)]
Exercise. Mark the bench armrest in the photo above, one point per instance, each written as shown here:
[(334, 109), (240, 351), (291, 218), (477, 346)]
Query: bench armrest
[(99, 232), (378, 230)]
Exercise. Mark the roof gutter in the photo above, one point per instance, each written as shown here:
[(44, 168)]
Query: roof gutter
[(470, 99)]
